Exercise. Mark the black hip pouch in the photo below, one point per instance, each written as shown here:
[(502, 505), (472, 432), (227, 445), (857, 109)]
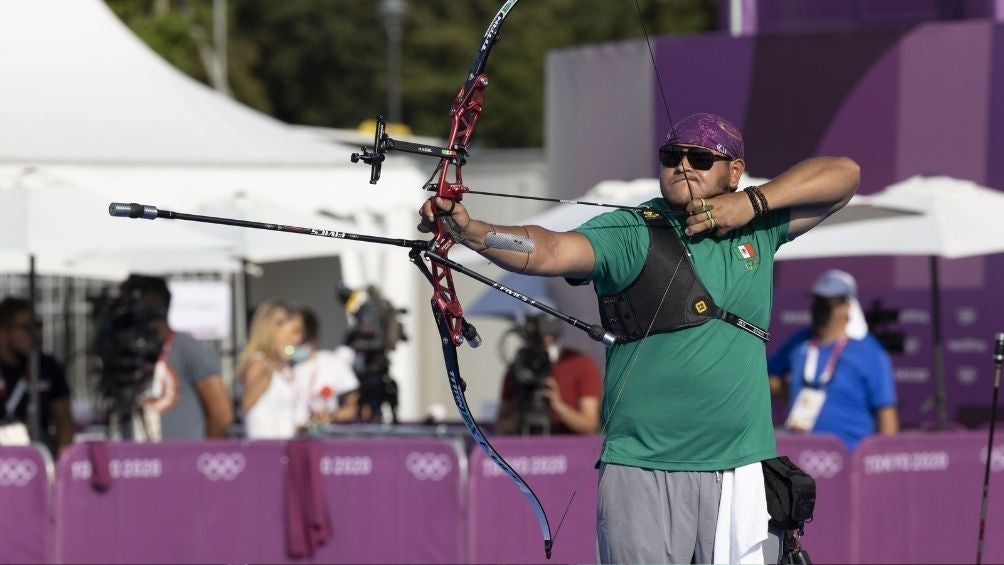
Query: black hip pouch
[(791, 498), (791, 494)]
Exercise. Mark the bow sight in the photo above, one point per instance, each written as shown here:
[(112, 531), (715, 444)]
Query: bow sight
[(382, 143)]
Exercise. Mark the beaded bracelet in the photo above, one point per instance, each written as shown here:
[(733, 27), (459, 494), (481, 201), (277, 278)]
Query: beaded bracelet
[(749, 190), (763, 199)]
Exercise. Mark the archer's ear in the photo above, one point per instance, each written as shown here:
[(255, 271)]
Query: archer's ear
[(736, 169)]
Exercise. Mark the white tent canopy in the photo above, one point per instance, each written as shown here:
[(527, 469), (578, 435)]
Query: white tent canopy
[(73, 64)]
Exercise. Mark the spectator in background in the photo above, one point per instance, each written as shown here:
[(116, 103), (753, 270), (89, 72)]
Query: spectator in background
[(840, 377), (187, 398), (270, 393), (549, 388), (328, 389), (16, 326)]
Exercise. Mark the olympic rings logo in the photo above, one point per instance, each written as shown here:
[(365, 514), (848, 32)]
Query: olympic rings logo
[(966, 316), (17, 472), (823, 464), (996, 458), (221, 466), (426, 466)]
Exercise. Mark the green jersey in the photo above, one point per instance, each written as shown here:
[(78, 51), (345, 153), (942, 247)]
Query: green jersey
[(695, 399)]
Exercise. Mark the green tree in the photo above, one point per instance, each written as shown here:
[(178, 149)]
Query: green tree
[(323, 62)]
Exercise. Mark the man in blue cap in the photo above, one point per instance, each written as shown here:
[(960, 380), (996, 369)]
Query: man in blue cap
[(840, 377), (686, 285)]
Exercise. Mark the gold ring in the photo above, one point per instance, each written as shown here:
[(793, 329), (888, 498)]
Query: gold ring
[(712, 222), (710, 215), (704, 203)]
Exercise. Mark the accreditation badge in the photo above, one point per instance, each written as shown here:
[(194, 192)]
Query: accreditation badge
[(805, 411)]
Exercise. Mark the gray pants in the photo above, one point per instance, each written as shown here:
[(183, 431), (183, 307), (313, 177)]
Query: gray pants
[(648, 516)]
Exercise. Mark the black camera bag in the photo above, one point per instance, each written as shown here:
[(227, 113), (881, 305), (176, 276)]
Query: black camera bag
[(791, 494)]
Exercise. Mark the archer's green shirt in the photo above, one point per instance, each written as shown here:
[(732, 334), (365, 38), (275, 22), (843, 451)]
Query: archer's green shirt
[(695, 399)]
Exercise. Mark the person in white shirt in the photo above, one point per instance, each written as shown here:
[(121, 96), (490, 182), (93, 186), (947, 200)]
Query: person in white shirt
[(270, 394), (327, 387)]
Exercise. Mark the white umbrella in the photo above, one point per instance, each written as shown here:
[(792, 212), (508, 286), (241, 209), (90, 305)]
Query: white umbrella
[(69, 231), (932, 209), (948, 218)]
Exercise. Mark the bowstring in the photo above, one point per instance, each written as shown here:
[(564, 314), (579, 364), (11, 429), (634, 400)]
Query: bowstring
[(636, 354)]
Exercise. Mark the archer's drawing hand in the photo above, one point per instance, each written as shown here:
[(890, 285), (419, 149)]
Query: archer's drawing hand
[(719, 215)]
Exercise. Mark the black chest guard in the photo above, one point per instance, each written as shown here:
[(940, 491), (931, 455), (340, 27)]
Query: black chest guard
[(629, 314)]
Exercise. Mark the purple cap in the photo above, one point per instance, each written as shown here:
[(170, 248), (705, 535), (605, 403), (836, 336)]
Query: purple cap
[(710, 132)]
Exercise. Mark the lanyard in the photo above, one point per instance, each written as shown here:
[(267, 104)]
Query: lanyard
[(165, 349), (812, 362)]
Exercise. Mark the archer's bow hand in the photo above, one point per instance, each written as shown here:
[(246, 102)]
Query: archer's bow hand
[(437, 208)]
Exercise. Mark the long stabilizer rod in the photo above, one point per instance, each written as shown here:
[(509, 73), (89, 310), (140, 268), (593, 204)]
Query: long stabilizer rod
[(145, 211)]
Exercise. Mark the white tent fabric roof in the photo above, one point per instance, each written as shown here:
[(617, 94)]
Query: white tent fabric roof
[(72, 64)]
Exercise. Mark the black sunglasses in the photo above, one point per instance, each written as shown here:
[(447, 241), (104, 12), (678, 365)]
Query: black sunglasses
[(700, 159)]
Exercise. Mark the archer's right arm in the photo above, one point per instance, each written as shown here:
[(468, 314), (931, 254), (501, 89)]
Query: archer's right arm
[(547, 253)]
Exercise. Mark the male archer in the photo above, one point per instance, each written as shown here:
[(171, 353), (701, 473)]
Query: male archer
[(686, 286)]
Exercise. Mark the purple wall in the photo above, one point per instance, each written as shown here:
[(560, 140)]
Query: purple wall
[(794, 16)]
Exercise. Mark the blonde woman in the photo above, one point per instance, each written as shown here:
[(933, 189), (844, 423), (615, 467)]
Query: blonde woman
[(270, 395)]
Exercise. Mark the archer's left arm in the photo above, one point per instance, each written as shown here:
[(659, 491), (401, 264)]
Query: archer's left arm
[(813, 189)]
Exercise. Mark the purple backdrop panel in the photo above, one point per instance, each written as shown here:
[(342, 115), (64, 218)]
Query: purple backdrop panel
[(995, 137), (930, 73), (390, 501), (917, 497), (682, 63), (24, 500), (872, 101), (825, 458), (393, 500), (970, 320), (173, 503), (502, 527)]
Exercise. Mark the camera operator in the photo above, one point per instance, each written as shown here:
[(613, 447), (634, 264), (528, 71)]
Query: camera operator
[(185, 397), (549, 388), (840, 376), (15, 347)]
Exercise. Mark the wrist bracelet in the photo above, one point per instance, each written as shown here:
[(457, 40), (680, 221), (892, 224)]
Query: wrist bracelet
[(749, 190), (763, 199)]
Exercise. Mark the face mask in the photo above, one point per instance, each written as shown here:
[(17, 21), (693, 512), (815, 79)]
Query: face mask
[(553, 352), (300, 354), (821, 313)]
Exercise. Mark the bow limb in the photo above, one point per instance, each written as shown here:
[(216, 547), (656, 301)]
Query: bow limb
[(457, 388)]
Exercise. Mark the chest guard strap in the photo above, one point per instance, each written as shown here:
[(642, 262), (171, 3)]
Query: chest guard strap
[(629, 313)]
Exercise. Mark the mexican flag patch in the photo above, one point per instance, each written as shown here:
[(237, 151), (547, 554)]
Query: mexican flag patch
[(746, 251)]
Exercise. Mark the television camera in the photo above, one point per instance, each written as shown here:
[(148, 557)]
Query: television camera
[(375, 331), (530, 368), (128, 347)]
